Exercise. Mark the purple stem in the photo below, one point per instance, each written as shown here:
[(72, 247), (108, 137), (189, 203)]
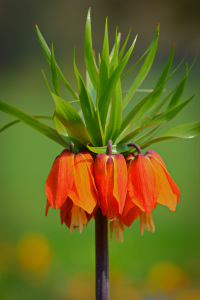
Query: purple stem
[(136, 146), (101, 242)]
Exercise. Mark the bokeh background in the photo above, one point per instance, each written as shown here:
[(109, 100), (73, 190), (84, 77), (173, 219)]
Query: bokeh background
[(39, 258)]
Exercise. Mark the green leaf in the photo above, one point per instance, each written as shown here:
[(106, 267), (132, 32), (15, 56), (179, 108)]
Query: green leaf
[(88, 109), (185, 131), (144, 54), (91, 88), (116, 115), (121, 148), (104, 66), (46, 81), (130, 118), (124, 46), (18, 121), (176, 99), (54, 76), (62, 130), (47, 54), (152, 102), (143, 71), (89, 56), (104, 101), (147, 136), (158, 108), (134, 133), (73, 123), (167, 116), (116, 110), (33, 122), (44, 45), (114, 49)]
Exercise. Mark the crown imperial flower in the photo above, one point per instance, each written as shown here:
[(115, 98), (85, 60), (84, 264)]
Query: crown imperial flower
[(118, 185), (70, 186), (110, 173), (169, 193), (149, 184)]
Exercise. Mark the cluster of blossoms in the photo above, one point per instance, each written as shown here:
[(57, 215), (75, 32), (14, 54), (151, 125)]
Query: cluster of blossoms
[(124, 188)]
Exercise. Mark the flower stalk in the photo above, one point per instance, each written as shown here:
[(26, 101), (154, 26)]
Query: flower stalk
[(101, 247)]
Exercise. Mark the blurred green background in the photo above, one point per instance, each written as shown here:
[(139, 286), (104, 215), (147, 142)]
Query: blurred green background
[(39, 258)]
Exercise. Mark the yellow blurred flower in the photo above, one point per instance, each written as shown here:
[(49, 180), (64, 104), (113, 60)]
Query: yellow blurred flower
[(167, 277), (34, 253), (122, 287), (80, 286), (193, 294)]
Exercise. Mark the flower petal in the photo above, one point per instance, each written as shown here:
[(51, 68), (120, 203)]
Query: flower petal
[(104, 177), (129, 158), (120, 180), (167, 196), (85, 189), (60, 179), (172, 183), (132, 215), (142, 183), (128, 204), (65, 212), (151, 153), (47, 207)]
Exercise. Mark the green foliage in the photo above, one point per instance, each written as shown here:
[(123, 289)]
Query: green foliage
[(89, 54), (185, 131), (32, 122), (72, 122), (103, 103)]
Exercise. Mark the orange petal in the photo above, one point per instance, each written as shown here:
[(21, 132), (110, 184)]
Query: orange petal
[(85, 189), (132, 215), (111, 179), (128, 204), (167, 196), (47, 207), (65, 212), (120, 180), (60, 179), (142, 183), (73, 216), (172, 183), (151, 153), (104, 177), (129, 158)]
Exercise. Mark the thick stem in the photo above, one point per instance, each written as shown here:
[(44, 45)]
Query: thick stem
[(110, 147), (101, 242), (136, 146)]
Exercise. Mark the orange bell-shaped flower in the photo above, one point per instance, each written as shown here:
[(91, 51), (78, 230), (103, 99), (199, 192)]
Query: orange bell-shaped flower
[(131, 212), (72, 176), (74, 216), (169, 193), (60, 179), (110, 173), (142, 182)]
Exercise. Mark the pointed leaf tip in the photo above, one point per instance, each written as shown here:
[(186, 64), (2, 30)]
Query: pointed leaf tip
[(54, 75)]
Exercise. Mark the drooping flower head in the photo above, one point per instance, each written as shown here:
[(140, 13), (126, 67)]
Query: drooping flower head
[(70, 186), (149, 184), (110, 173), (169, 192)]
